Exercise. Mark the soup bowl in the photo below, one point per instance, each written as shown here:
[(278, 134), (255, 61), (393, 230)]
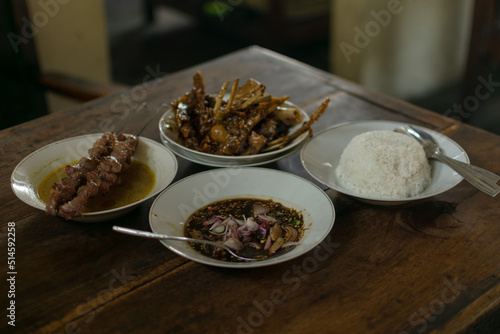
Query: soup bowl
[(175, 204)]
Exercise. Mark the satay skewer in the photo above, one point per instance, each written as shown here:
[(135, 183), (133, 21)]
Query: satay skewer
[(99, 180), (283, 141), (101, 165), (66, 189)]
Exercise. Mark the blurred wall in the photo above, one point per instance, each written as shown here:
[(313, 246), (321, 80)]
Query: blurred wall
[(71, 39), (404, 48)]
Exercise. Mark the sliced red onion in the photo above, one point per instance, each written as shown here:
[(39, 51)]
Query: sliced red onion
[(213, 220), (232, 232), (262, 230), (216, 224), (231, 222), (251, 225), (267, 219), (240, 222), (268, 243), (244, 231), (220, 229), (259, 209), (234, 244)]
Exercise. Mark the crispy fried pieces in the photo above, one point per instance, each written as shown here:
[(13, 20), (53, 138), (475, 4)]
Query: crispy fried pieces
[(243, 124)]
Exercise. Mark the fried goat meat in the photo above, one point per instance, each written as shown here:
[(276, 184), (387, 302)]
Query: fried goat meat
[(238, 120)]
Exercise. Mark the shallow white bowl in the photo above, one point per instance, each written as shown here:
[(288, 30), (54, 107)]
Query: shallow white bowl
[(170, 139), (173, 206), (30, 172), (209, 161), (321, 156)]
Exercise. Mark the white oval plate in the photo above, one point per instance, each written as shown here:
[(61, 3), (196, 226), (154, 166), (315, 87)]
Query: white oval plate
[(321, 155), (170, 139), (175, 204), (28, 174)]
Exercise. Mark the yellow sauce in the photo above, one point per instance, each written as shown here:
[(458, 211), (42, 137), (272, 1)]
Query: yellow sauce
[(135, 183)]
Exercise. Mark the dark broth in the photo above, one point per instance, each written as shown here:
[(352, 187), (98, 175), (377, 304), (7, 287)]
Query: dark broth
[(240, 209)]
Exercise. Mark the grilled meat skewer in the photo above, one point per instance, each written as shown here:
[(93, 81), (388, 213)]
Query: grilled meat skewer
[(100, 180), (106, 158), (65, 190)]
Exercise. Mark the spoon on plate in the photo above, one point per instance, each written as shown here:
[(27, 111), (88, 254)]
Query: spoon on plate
[(145, 234), (480, 178)]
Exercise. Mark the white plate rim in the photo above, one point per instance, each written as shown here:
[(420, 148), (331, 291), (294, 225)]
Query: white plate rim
[(438, 136), (186, 156), (100, 215), (244, 265)]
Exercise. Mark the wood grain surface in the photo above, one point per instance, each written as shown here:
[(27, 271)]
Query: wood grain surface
[(431, 266)]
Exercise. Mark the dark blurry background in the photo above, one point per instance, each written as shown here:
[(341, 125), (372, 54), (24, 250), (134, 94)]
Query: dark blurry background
[(169, 35)]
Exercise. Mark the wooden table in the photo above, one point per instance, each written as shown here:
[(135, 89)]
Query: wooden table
[(428, 266)]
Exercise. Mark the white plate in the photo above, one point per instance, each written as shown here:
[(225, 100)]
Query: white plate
[(170, 139), (321, 155), (28, 174), (196, 158), (173, 206)]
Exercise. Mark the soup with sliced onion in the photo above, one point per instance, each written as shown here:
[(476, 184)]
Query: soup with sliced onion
[(253, 228)]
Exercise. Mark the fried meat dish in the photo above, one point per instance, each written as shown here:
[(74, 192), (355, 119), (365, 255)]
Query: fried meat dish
[(248, 122)]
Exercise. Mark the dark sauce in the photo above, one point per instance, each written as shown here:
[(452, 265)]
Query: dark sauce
[(240, 209)]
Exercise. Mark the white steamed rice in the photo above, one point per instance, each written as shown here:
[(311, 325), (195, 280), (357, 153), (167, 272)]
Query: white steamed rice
[(384, 165)]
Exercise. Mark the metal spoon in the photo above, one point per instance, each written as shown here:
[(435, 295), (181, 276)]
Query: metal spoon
[(151, 235), (482, 179)]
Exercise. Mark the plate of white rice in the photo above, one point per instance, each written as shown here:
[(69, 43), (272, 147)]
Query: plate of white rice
[(368, 161)]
